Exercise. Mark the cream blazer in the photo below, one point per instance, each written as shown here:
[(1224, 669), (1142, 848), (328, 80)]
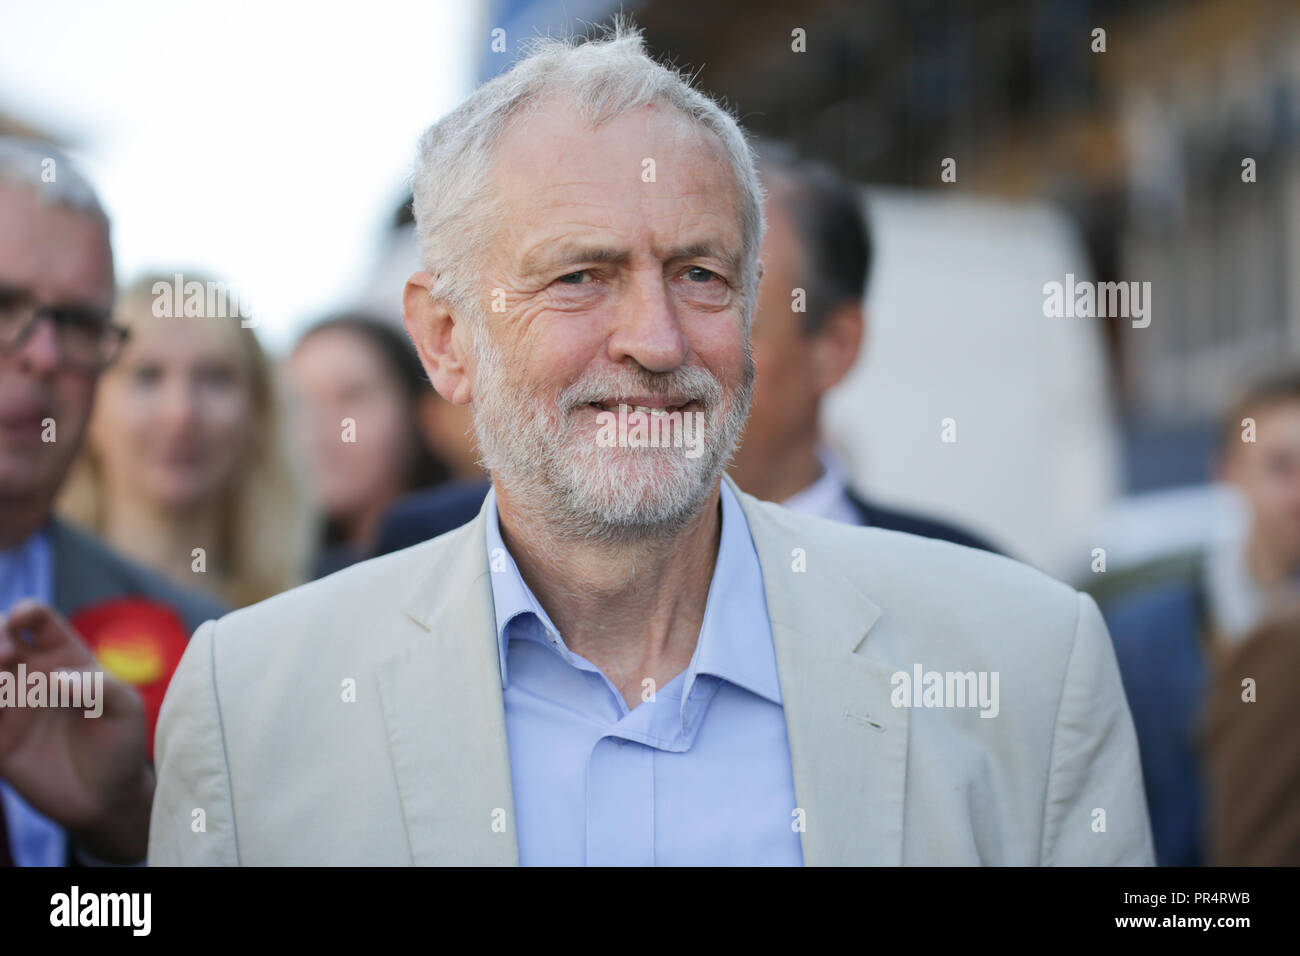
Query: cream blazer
[(358, 719)]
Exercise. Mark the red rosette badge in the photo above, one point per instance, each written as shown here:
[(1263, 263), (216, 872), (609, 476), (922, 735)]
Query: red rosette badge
[(139, 642)]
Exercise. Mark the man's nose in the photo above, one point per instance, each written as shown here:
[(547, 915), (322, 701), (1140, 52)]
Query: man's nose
[(41, 353), (648, 329)]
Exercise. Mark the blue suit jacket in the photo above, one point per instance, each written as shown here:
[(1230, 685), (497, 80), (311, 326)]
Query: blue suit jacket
[(890, 519), (427, 514), (1159, 636)]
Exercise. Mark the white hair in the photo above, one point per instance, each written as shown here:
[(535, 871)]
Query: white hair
[(600, 79), (24, 163)]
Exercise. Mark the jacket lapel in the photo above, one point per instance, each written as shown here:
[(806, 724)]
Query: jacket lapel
[(78, 577), (445, 715), (848, 744)]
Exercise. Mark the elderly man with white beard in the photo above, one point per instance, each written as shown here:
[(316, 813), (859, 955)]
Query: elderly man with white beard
[(624, 660)]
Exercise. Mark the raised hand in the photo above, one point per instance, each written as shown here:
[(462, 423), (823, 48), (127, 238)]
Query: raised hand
[(88, 773)]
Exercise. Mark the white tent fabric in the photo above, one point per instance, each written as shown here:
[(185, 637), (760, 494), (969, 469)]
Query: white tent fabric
[(956, 330)]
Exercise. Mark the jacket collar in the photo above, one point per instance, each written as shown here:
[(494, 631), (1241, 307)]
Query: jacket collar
[(848, 744), (444, 712)]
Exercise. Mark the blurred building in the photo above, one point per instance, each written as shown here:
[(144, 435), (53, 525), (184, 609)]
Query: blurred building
[(1201, 95), (1142, 143), (1137, 134), (967, 403)]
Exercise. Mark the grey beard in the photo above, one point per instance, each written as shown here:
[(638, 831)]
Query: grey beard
[(577, 488)]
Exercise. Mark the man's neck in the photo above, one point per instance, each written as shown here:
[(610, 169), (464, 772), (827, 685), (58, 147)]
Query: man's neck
[(19, 520), (783, 475), (1267, 566), (634, 609)]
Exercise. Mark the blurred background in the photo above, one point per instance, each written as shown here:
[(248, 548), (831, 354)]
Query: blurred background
[(267, 144), (994, 148), (1121, 165)]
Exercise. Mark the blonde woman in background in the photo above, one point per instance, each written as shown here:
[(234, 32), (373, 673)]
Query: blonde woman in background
[(186, 450)]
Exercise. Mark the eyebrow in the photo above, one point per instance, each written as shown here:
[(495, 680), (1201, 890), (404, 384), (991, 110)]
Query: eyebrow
[(707, 250), (548, 257), (102, 312)]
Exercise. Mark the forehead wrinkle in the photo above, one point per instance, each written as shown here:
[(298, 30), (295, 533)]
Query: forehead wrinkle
[(561, 238), (575, 225), (674, 135)]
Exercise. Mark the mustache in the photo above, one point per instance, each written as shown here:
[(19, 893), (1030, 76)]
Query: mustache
[(691, 384)]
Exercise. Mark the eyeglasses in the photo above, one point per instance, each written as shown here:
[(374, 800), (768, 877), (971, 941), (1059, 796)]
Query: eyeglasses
[(86, 337)]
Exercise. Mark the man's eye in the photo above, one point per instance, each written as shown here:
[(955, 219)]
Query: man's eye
[(83, 320), (575, 278), (700, 274)]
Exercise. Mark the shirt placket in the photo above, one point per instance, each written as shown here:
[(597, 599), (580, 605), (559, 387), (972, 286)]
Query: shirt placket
[(620, 803)]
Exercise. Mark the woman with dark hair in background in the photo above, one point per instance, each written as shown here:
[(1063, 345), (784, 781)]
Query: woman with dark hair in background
[(360, 389)]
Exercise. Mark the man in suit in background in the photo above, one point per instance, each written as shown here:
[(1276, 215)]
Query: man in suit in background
[(72, 788), (1178, 616), (817, 254), (624, 659)]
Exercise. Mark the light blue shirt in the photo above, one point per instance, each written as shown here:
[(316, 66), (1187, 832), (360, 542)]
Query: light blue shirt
[(700, 775), (27, 571)]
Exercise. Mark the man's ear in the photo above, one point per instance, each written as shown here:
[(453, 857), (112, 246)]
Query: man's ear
[(431, 326), (836, 345)]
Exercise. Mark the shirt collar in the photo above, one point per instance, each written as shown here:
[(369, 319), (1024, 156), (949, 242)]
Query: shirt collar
[(736, 637), (1237, 601), (26, 570), (511, 596), (735, 641)]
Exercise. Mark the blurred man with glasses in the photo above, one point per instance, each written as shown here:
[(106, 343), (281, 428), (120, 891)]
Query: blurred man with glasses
[(73, 788)]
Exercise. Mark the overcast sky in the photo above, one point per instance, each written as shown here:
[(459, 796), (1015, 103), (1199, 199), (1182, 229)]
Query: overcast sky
[(264, 142)]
